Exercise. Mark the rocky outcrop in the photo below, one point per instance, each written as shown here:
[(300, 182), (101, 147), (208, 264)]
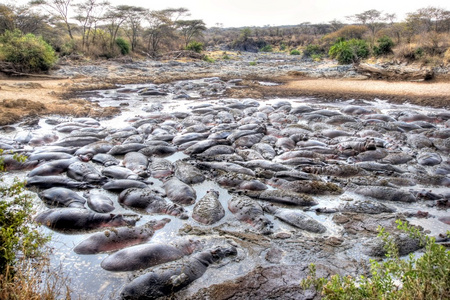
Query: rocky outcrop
[(398, 72)]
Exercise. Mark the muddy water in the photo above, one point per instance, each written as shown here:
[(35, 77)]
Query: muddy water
[(89, 281)]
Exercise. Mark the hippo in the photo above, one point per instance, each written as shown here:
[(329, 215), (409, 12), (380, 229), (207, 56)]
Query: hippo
[(313, 187), (283, 196), (105, 159), (158, 150), (225, 166), (295, 218), (119, 185), (117, 172), (147, 255), (148, 201), (62, 197), (87, 152), (362, 207), (386, 193), (179, 192), (429, 159), (264, 164), (216, 150), (125, 148), (201, 146), (46, 182), (208, 209), (187, 173), (77, 219), (53, 167), (161, 168), (247, 210), (248, 140), (336, 170), (189, 137), (82, 171), (76, 141), (136, 162), (11, 162), (265, 150), (164, 282), (249, 154), (49, 156), (119, 238), (99, 202)]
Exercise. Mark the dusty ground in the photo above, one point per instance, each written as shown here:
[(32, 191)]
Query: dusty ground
[(23, 98), (430, 93), (29, 97)]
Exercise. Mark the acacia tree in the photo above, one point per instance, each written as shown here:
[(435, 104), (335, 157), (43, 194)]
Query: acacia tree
[(59, 8), (88, 14), (20, 17), (134, 16), (190, 29), (115, 16), (373, 19), (160, 27)]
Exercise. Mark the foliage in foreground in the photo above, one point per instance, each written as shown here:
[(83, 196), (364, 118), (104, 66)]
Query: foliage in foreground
[(425, 277), (27, 52), (23, 264)]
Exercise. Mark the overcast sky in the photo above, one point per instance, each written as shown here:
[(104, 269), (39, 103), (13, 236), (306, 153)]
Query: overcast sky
[(239, 13)]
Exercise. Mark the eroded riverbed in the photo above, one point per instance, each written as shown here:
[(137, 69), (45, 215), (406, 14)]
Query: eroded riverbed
[(323, 138)]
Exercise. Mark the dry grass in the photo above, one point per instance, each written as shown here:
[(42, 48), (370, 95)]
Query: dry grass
[(33, 281)]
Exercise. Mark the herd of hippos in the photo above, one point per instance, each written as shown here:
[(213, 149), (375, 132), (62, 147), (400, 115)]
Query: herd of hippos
[(273, 159)]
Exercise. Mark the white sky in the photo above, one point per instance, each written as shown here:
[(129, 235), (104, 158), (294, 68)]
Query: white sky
[(240, 13)]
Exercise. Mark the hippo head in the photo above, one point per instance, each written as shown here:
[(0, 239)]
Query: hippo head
[(177, 211), (119, 220)]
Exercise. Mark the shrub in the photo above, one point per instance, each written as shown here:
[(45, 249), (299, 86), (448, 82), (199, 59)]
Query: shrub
[(18, 235), (447, 56), (208, 59), (312, 49), (124, 46), (283, 46), (347, 52), (266, 48), (252, 63), (426, 277), (195, 46), (384, 47), (295, 52), (28, 52)]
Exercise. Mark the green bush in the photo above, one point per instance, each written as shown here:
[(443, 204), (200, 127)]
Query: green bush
[(283, 46), (124, 46), (252, 63), (18, 235), (27, 52), (266, 48), (426, 277), (208, 59), (351, 51), (195, 46), (312, 49), (295, 52), (384, 47)]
